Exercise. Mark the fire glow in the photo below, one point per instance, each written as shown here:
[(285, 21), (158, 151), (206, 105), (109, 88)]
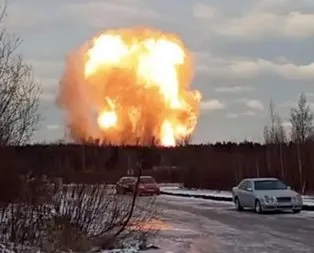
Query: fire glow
[(130, 86)]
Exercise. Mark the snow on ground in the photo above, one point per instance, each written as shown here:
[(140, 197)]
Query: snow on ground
[(197, 234), (308, 200), (184, 231), (127, 250), (223, 207), (5, 249), (195, 225), (202, 226), (196, 202), (190, 224), (195, 192)]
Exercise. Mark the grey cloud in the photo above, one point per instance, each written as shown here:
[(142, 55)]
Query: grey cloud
[(261, 25), (201, 10), (51, 116), (27, 19), (100, 13), (47, 96), (234, 89), (233, 115), (255, 104), (250, 68), (49, 89), (258, 23), (212, 105), (46, 69), (53, 127), (284, 6)]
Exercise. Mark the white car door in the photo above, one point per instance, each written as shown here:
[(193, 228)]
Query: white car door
[(242, 193), (250, 198)]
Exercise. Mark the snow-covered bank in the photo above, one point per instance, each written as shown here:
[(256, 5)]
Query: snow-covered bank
[(7, 249), (308, 201), (195, 193)]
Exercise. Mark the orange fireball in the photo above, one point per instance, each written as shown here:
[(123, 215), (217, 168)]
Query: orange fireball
[(131, 86)]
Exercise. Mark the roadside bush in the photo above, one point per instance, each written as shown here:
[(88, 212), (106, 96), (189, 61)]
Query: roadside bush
[(78, 218)]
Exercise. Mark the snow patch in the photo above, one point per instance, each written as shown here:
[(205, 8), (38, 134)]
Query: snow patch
[(127, 250), (197, 192), (308, 200)]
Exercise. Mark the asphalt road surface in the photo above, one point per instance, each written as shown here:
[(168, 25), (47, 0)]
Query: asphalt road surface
[(203, 226)]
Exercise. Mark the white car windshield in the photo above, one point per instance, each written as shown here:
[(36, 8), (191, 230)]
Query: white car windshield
[(269, 185)]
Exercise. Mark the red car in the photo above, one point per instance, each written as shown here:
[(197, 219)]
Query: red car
[(147, 186)]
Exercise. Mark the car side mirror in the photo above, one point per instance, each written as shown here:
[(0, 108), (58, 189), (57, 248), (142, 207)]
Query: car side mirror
[(289, 187), (249, 189)]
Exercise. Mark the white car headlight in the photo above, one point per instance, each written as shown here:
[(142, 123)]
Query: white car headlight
[(269, 199), (273, 199), (266, 198), (299, 198)]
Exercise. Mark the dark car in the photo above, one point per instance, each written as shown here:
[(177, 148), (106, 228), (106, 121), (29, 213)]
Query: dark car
[(125, 185), (147, 186)]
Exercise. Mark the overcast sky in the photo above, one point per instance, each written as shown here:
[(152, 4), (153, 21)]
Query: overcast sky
[(246, 52)]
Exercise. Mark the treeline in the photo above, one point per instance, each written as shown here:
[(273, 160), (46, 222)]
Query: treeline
[(217, 166)]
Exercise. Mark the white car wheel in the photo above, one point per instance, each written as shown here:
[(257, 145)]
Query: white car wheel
[(237, 204), (258, 207)]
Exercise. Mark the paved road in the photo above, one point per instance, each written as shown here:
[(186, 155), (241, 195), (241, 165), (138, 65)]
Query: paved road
[(202, 226)]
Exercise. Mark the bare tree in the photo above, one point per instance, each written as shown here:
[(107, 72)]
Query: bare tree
[(301, 119), (274, 133), (19, 93), (275, 137)]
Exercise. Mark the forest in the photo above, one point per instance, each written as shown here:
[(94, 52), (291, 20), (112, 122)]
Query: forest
[(218, 166)]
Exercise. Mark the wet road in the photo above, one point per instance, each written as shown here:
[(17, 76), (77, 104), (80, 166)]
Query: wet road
[(203, 226)]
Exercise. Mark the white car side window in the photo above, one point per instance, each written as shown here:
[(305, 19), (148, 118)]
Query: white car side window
[(249, 185), (243, 185)]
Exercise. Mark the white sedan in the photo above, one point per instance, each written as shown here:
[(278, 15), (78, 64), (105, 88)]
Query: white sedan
[(266, 194)]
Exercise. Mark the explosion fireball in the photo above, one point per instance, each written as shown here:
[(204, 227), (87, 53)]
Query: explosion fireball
[(130, 87)]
